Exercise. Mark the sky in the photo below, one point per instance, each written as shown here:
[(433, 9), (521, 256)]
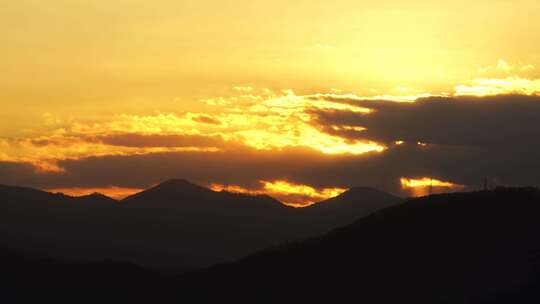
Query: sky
[(297, 99)]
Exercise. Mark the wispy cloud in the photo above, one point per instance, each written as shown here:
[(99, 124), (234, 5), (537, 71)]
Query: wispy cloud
[(499, 86)]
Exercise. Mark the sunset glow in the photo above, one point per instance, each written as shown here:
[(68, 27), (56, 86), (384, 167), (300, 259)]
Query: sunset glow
[(334, 93), (491, 87), (270, 123), (295, 195), (232, 188), (112, 192), (178, 149), (423, 186)]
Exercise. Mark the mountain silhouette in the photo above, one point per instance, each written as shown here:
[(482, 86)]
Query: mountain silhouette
[(179, 194), (355, 200), (175, 225), (96, 198), (170, 190), (29, 278), (479, 247)]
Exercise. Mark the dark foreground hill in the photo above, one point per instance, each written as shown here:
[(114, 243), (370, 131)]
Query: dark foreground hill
[(480, 247), (175, 225), (27, 278)]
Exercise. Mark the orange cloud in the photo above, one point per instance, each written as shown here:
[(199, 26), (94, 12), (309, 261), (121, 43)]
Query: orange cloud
[(233, 189), (388, 97), (503, 78), (298, 195), (295, 195), (268, 122), (206, 119), (44, 152), (499, 86), (265, 121), (158, 140), (426, 185)]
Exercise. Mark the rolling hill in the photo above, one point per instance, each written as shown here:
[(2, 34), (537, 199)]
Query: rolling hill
[(175, 225), (479, 247)]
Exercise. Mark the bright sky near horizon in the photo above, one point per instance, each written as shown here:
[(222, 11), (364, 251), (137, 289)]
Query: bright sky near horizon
[(83, 79)]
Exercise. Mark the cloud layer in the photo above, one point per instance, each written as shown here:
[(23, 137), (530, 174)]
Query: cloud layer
[(331, 141)]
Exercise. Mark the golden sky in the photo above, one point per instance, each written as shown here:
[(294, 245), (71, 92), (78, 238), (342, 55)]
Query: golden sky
[(85, 78)]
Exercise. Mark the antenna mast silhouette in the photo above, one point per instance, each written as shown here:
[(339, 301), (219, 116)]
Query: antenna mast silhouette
[(486, 185)]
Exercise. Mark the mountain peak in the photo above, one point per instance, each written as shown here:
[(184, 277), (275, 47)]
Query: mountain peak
[(362, 197), (169, 190), (96, 197), (176, 183)]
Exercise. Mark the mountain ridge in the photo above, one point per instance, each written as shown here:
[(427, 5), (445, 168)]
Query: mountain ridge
[(435, 249), (175, 224), (177, 185)]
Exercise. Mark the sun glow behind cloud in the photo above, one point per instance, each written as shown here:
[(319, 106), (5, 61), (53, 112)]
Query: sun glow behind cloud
[(154, 82), (427, 185), (499, 86), (259, 119), (291, 194), (269, 122)]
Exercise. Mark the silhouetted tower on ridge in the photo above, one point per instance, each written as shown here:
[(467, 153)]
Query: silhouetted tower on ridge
[(486, 185)]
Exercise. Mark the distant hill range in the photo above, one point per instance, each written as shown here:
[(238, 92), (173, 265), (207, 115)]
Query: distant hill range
[(478, 247), (175, 225)]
